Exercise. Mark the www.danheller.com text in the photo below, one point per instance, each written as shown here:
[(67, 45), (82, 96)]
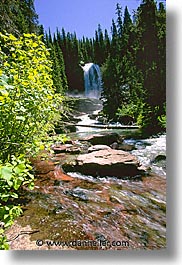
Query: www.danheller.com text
[(83, 243)]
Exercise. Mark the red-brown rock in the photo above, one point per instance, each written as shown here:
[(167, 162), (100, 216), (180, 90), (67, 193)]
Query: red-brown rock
[(106, 162)]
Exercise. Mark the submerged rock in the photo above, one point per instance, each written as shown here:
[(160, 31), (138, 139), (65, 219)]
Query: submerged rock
[(108, 162), (78, 194), (126, 147), (159, 158)]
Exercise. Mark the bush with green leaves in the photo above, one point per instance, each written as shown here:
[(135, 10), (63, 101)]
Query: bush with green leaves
[(28, 108), (28, 102), (13, 175)]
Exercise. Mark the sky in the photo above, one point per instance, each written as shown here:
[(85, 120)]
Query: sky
[(80, 16)]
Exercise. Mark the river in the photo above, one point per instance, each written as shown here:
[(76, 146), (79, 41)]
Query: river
[(84, 212)]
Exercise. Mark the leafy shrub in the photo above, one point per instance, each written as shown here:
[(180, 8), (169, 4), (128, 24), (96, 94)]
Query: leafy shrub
[(28, 108), (162, 118), (12, 176), (28, 102)]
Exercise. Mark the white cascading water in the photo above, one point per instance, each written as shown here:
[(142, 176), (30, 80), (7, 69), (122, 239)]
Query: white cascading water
[(92, 80)]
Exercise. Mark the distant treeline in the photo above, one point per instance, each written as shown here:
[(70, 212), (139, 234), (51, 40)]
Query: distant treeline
[(132, 58), (133, 63)]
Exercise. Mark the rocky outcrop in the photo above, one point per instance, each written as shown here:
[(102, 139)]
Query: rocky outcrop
[(107, 162), (102, 138)]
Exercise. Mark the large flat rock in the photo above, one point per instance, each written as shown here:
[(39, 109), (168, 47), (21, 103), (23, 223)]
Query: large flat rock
[(108, 162)]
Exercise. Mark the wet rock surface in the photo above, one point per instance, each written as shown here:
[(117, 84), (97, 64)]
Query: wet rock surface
[(76, 207), (66, 148), (83, 208), (108, 162), (98, 147)]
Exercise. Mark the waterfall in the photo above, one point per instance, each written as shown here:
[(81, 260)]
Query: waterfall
[(92, 80)]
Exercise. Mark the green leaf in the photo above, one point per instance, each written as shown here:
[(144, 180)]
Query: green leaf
[(20, 118), (6, 173), (31, 186), (19, 168), (14, 195), (17, 184)]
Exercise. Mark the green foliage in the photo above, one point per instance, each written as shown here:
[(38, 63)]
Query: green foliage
[(134, 72), (151, 120), (66, 56), (58, 67), (3, 241), (76, 53), (18, 16), (28, 109), (13, 175), (28, 103), (162, 119)]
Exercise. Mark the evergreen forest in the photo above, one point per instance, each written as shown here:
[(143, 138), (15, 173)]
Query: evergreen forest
[(132, 59)]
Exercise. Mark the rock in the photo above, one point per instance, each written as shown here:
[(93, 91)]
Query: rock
[(93, 116), (159, 158), (103, 139), (58, 209), (65, 127), (98, 147), (66, 148), (78, 194), (60, 148), (42, 166), (126, 147), (114, 145), (160, 161), (46, 169), (102, 119), (108, 162), (126, 120), (88, 105), (70, 128)]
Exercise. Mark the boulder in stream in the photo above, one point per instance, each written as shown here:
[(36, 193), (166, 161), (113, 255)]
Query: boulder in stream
[(102, 138), (108, 162), (66, 148)]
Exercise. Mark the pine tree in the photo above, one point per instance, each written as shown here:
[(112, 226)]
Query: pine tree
[(96, 48), (63, 87), (107, 45), (161, 32), (148, 62), (127, 27), (119, 20), (40, 32), (58, 73), (18, 16), (31, 18), (114, 41)]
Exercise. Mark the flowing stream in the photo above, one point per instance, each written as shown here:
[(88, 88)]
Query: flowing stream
[(114, 213)]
